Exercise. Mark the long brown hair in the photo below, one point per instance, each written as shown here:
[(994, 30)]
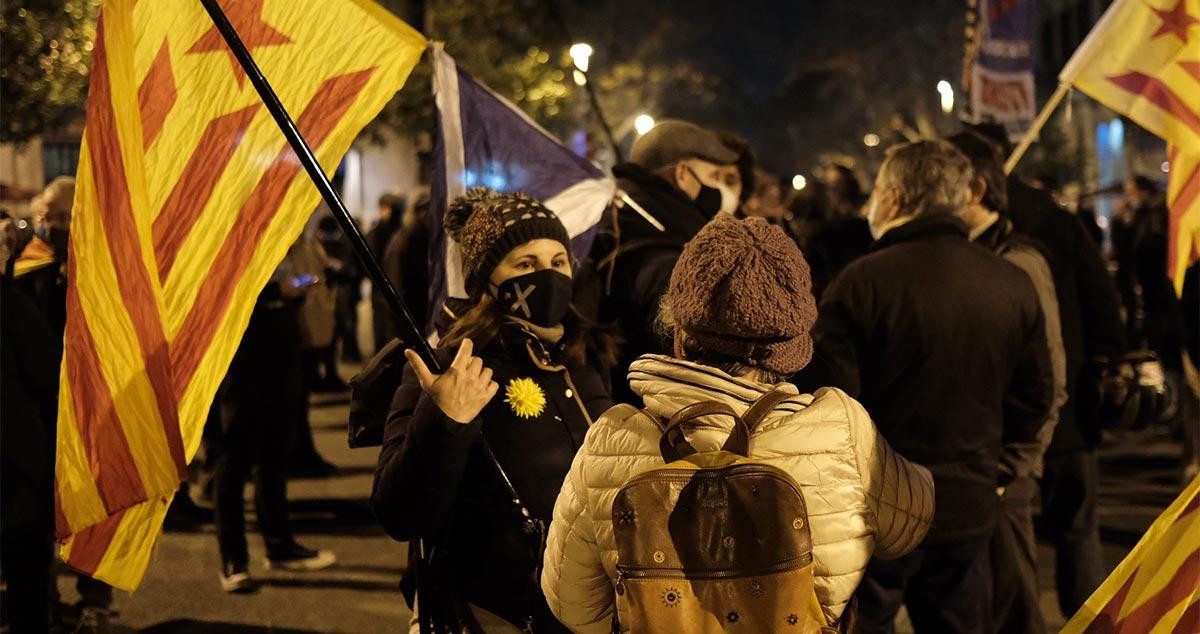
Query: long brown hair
[(583, 341)]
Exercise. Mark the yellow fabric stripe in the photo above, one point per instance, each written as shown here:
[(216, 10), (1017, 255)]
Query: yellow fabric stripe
[(81, 503)]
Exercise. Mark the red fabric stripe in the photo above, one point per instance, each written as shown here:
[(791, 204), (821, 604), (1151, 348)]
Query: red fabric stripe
[(320, 116), (156, 95), (1182, 583), (195, 185), (91, 543), (133, 278), (112, 466), (1106, 619), (1159, 94), (1192, 68)]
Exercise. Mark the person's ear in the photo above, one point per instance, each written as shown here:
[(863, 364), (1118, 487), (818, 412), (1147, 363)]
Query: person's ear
[(685, 180), (978, 190)]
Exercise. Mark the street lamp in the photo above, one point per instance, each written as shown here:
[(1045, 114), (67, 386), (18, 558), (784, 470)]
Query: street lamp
[(799, 182), (580, 54), (871, 139), (643, 123), (947, 93)]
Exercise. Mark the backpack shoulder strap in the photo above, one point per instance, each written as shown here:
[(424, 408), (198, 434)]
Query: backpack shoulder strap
[(763, 406)]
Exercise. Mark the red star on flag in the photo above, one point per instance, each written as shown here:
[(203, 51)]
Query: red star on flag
[(246, 18), (1176, 22)]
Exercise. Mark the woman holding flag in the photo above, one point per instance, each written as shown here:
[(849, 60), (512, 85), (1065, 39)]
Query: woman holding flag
[(521, 387)]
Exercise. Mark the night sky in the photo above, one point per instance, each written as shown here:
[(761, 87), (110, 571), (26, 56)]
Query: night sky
[(800, 79)]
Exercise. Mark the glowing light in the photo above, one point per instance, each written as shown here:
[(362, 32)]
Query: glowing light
[(871, 139), (580, 54), (580, 78), (643, 123), (1166, 167), (799, 182), (947, 92)]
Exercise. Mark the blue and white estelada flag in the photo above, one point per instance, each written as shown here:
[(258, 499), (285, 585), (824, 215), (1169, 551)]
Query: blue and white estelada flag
[(482, 139)]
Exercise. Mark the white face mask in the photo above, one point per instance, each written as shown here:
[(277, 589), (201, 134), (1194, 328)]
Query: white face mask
[(729, 201)]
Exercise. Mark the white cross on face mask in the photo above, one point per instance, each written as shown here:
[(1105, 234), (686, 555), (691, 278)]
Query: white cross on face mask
[(521, 302)]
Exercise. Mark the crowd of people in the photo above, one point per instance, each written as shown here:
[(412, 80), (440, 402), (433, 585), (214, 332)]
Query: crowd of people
[(931, 363)]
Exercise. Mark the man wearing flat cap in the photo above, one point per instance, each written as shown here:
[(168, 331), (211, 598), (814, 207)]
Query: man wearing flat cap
[(680, 177)]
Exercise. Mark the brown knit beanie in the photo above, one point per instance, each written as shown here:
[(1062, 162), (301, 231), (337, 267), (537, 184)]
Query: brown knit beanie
[(741, 288), (487, 225)]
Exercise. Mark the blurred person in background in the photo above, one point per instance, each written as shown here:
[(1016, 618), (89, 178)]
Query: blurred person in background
[(766, 200), (391, 216), (1015, 595), (316, 337), (260, 400), (844, 235), (406, 262), (345, 277), (1089, 309)]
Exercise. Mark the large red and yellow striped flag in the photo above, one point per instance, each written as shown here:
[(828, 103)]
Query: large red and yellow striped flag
[(1143, 60), (187, 199), (1157, 587)]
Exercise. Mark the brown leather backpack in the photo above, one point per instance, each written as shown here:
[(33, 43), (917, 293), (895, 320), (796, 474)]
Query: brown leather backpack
[(714, 541)]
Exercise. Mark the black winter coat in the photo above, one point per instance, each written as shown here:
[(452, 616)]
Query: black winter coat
[(1084, 288), (433, 480), (32, 352), (636, 259), (943, 342)]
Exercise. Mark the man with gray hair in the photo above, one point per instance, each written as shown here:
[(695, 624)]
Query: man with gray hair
[(944, 344)]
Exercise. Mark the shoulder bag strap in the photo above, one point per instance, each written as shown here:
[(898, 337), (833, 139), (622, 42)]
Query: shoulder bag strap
[(763, 406)]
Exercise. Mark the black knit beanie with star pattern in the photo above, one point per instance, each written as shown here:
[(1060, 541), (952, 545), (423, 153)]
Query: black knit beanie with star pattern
[(487, 225)]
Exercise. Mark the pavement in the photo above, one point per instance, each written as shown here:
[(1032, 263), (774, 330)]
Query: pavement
[(359, 594)]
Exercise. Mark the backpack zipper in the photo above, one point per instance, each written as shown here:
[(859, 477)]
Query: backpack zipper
[(649, 572)]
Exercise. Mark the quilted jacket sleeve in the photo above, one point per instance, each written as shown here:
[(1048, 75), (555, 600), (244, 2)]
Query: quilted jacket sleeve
[(899, 492), (576, 586)]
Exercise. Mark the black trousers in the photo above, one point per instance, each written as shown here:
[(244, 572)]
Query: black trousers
[(258, 402), (1016, 602), (947, 588), (1070, 487)]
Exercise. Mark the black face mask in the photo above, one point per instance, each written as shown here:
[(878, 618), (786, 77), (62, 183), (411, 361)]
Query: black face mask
[(541, 298), (709, 198), (58, 239)]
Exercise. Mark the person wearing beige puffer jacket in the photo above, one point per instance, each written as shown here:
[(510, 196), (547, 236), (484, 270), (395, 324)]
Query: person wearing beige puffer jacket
[(863, 498)]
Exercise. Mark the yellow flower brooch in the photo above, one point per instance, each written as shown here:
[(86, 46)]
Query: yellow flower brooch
[(525, 397)]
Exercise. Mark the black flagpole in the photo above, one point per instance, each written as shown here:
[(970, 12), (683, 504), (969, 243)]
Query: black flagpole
[(415, 339)]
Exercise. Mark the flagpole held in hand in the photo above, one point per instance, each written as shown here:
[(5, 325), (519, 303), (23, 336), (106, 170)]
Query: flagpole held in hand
[(412, 333)]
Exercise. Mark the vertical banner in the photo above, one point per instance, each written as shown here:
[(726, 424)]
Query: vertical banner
[(1001, 71)]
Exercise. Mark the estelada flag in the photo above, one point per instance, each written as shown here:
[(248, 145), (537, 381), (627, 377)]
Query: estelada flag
[(187, 198), (1143, 60), (1157, 587)]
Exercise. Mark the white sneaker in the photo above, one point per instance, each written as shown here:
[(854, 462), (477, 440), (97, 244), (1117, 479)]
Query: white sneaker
[(300, 558), (236, 579)]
